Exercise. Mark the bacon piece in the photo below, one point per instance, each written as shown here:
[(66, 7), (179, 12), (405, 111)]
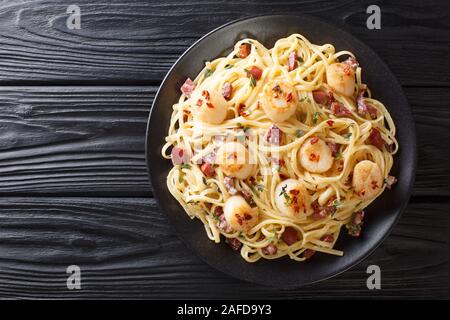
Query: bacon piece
[(207, 169), (308, 253), (229, 185), (227, 89), (321, 212), (292, 60), (223, 225), (351, 62), (255, 72), (289, 236), (338, 110), (244, 50), (363, 107), (327, 238), (187, 87), (179, 156), (234, 243), (247, 195), (334, 147), (218, 211), (376, 139), (354, 226), (320, 97), (274, 135), (390, 181), (270, 249)]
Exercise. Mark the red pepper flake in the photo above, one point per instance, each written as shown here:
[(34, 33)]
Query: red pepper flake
[(314, 140), (205, 94), (294, 192), (283, 176), (347, 69), (241, 110), (289, 97), (199, 102), (244, 50), (374, 185), (210, 105), (330, 122), (314, 157)]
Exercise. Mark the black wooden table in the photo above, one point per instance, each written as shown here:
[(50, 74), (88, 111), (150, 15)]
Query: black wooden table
[(73, 181)]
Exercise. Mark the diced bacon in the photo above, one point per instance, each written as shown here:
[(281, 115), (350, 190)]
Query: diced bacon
[(270, 249), (289, 236), (218, 211), (321, 212), (314, 140), (187, 87), (234, 243), (223, 225), (308, 253), (363, 107), (351, 62), (229, 185), (179, 156), (244, 50), (247, 195), (390, 181), (376, 139), (320, 97), (274, 135), (227, 89), (255, 72), (327, 238), (338, 110), (334, 147), (207, 169), (241, 110), (292, 60)]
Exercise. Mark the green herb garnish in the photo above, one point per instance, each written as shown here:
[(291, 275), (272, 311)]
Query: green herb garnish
[(208, 73), (185, 166), (316, 117), (299, 133)]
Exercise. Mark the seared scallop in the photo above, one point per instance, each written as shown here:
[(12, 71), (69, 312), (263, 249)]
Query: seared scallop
[(367, 179), (315, 155), (208, 106), (233, 158), (279, 100), (341, 78), (239, 215), (292, 199)]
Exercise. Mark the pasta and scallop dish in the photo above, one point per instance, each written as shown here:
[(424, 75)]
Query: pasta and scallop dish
[(276, 150)]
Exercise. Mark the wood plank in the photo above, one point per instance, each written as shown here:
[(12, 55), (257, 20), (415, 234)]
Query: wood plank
[(90, 140), (137, 41), (126, 249)]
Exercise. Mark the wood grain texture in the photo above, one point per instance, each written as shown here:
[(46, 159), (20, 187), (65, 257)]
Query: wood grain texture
[(123, 42), (90, 140), (126, 248)]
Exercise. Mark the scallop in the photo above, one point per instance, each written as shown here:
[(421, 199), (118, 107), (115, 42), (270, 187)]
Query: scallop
[(208, 106), (239, 215), (341, 78), (279, 100), (233, 158), (292, 199), (367, 179), (315, 155)]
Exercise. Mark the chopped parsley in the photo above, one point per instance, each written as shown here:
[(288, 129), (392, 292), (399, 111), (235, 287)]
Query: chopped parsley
[(347, 135), (283, 193), (316, 117), (185, 166), (252, 82), (208, 72), (299, 133), (229, 66)]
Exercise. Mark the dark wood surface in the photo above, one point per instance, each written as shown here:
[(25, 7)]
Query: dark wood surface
[(73, 182)]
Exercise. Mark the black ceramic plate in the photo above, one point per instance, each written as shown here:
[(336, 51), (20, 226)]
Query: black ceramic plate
[(381, 215)]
